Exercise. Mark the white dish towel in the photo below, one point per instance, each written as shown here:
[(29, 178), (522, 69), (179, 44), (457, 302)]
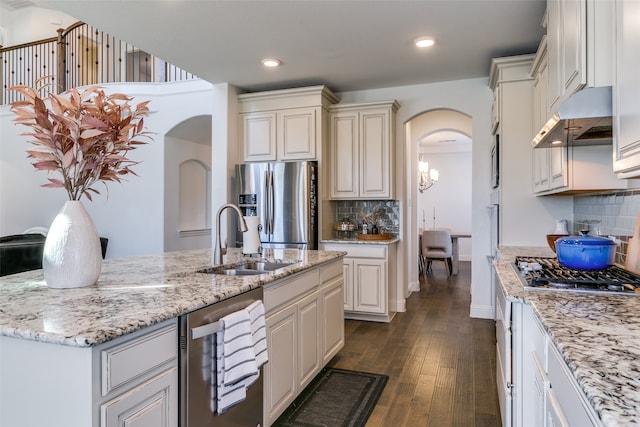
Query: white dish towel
[(258, 332), (240, 349)]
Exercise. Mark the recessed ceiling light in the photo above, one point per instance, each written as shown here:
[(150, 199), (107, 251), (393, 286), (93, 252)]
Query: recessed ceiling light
[(425, 42), (271, 62), (556, 142)]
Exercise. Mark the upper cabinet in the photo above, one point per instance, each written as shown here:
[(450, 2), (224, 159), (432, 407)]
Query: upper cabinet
[(575, 54), (549, 164), (626, 135), (362, 150), (284, 124), (579, 40)]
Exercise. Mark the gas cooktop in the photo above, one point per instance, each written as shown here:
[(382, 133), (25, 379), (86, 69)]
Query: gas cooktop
[(547, 274)]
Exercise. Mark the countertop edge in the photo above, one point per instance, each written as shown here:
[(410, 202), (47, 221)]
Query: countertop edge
[(361, 242), (35, 327)]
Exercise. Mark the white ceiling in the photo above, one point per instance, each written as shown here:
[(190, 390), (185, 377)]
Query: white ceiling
[(345, 44)]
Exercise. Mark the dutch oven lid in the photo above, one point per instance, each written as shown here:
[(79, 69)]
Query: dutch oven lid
[(585, 240)]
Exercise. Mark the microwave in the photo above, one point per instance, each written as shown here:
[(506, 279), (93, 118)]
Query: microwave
[(495, 162)]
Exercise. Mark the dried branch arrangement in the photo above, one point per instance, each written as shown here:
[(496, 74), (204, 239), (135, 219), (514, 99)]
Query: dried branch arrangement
[(84, 135)]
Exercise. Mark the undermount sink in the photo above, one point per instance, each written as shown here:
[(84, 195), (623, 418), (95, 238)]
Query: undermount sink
[(264, 265), (247, 269)]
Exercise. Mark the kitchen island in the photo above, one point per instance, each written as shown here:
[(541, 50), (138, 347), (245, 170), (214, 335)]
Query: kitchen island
[(597, 339), (59, 348)]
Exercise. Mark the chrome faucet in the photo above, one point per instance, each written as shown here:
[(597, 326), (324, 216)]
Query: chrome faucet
[(219, 251)]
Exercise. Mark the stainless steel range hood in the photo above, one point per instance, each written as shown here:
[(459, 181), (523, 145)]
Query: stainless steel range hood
[(583, 119)]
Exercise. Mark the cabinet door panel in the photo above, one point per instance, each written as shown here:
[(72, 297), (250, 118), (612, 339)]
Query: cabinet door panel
[(574, 58), (374, 154), (259, 136), (567, 401), (553, 58), (627, 90), (297, 134), (540, 386), (333, 315), (344, 155), (369, 281), (308, 339), (554, 415), (279, 372), (541, 160), (558, 173), (152, 404), (348, 284), (504, 392)]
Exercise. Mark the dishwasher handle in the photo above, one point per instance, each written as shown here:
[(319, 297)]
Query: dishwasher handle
[(204, 330)]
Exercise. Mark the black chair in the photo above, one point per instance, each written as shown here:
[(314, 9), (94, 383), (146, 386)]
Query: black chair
[(23, 252)]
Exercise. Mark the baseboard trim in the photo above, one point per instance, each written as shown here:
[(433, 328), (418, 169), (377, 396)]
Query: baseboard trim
[(414, 287), (482, 312)]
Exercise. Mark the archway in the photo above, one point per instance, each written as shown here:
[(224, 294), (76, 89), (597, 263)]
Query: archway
[(443, 137), (187, 204)]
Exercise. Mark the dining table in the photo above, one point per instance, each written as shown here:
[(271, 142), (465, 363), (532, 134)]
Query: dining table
[(455, 250)]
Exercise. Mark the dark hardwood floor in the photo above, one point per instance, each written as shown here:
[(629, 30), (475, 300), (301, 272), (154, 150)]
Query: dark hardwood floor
[(441, 363)]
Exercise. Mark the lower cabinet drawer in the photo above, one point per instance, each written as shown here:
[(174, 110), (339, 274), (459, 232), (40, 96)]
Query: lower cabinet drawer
[(137, 356), (278, 294), (359, 250)]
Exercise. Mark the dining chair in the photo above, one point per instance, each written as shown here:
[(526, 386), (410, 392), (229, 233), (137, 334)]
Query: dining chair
[(437, 245)]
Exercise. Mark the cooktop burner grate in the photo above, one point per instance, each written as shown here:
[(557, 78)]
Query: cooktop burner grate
[(547, 273)]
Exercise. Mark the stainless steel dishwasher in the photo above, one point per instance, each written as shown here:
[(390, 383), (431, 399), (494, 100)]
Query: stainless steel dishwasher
[(197, 329)]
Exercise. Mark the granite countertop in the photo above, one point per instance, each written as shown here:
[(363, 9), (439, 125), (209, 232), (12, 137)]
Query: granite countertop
[(356, 241), (597, 335), (131, 294)]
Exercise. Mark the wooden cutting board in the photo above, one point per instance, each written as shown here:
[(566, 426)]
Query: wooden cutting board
[(632, 262), (381, 236)]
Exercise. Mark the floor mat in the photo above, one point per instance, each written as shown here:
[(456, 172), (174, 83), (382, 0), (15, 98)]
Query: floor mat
[(335, 398)]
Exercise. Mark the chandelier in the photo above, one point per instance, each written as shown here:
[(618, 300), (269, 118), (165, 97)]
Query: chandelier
[(426, 177)]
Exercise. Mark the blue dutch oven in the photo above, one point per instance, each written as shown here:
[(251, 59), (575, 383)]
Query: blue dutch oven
[(585, 252)]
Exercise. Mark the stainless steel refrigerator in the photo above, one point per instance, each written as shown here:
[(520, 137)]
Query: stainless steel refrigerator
[(284, 196)]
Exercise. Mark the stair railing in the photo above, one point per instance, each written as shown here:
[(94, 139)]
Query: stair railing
[(81, 55)]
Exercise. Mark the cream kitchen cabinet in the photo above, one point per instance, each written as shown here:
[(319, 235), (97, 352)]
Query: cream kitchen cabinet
[(280, 135), (565, 169), (138, 399), (542, 157), (504, 355), (132, 379), (369, 272), (495, 111), (579, 38), (574, 170), (284, 125), (626, 91), (566, 405), (534, 381), (540, 73), (331, 296), (535, 386), (302, 332), (362, 150)]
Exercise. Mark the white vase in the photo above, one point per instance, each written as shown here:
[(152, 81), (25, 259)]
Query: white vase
[(72, 255)]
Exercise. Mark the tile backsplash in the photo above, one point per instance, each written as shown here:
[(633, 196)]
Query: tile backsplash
[(616, 213), (389, 212)]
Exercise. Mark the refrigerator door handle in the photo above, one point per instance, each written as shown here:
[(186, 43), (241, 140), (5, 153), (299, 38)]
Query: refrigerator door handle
[(271, 203), (267, 196)]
